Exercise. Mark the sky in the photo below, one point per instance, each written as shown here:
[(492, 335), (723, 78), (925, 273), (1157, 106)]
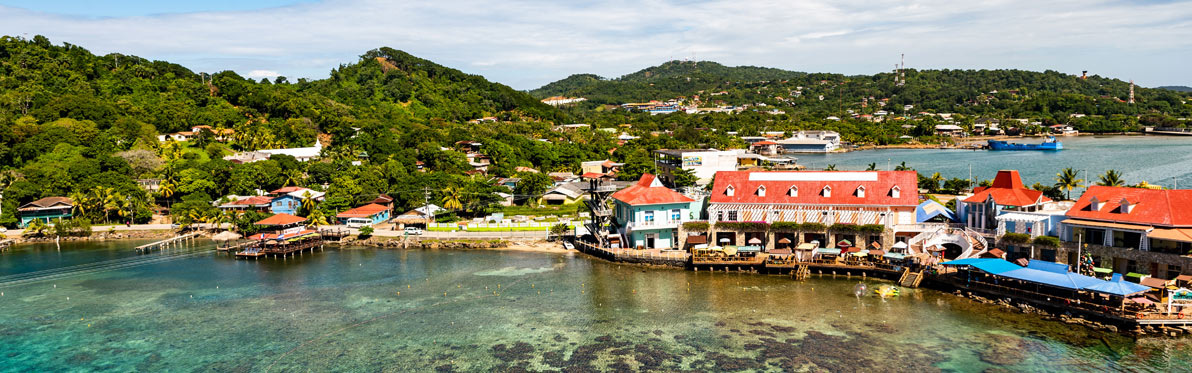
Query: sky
[(528, 43)]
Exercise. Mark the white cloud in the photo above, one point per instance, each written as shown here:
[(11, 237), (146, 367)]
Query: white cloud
[(526, 43), (257, 74)]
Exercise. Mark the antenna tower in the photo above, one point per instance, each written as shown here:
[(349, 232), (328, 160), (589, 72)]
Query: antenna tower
[(901, 70), (598, 206), (1131, 100)]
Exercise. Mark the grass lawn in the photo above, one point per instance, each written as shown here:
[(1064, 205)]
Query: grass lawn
[(506, 229), (545, 210)]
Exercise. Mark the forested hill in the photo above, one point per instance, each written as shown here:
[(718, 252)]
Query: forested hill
[(130, 99), (674, 78), (994, 92), (1177, 88)]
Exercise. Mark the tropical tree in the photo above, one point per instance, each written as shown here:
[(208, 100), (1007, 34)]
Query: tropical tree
[(872, 167), (1111, 178), (831, 167), (684, 177), (452, 197), (1067, 180), (308, 201), (316, 219), (167, 188), (902, 167)]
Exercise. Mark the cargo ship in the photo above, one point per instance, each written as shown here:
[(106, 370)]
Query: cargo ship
[(1049, 144)]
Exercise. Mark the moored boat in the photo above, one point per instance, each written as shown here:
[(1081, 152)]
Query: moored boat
[(1050, 144)]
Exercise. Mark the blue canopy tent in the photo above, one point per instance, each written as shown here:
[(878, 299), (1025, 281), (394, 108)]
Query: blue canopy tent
[(1051, 274), (930, 209)]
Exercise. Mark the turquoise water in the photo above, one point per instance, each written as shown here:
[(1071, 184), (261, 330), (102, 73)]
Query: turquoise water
[(358, 309), (1163, 160)]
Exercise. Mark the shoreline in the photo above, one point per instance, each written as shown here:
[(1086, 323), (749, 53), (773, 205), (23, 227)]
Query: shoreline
[(971, 142)]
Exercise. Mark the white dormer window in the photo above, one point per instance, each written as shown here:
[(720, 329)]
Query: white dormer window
[(861, 191), (1094, 204), (896, 192), (729, 191), (1126, 206), (827, 191), (761, 191), (793, 192)]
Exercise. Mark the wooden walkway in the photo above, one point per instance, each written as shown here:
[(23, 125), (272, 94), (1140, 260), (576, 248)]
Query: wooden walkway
[(256, 250), (169, 242)]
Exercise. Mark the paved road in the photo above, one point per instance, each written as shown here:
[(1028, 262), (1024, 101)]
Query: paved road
[(378, 232)]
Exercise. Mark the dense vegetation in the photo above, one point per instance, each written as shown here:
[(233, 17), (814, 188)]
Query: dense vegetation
[(85, 126)]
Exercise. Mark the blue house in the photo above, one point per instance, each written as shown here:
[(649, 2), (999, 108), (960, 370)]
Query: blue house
[(46, 209), (373, 213), (285, 204), (649, 214)]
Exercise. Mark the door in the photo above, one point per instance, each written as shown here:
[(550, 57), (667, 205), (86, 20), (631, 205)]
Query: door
[(650, 238)]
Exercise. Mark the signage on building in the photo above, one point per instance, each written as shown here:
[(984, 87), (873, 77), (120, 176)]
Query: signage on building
[(693, 161)]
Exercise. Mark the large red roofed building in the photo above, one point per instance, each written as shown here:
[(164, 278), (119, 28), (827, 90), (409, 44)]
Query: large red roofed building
[(1006, 194), (1134, 230), (366, 215), (885, 198)]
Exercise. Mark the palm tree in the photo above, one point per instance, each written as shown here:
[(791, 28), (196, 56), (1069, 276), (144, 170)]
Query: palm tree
[(294, 177), (1111, 178), (316, 219), (936, 179), (308, 201), (902, 167), (82, 203), (166, 188), (1067, 180), (452, 197), (872, 167), (830, 167)]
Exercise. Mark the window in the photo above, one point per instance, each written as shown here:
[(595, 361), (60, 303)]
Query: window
[(649, 217), (896, 192), (729, 191), (676, 215), (793, 192), (1126, 206), (720, 216), (1094, 204), (732, 215), (761, 191), (827, 191), (861, 191)]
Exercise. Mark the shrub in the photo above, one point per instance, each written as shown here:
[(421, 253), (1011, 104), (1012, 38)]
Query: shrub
[(1047, 241), (366, 231), (696, 226), (858, 229), (1016, 238), (742, 225), (786, 226)]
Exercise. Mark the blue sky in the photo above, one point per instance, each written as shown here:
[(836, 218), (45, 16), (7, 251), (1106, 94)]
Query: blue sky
[(527, 43)]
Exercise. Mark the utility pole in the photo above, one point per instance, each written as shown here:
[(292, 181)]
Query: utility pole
[(426, 205)]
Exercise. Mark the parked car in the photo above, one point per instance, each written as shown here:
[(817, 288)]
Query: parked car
[(359, 223), (413, 231)]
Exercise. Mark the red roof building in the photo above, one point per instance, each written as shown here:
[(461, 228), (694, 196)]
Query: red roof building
[(1006, 194), (649, 191), (375, 214), (1127, 227), (827, 197), (281, 220), (254, 203)]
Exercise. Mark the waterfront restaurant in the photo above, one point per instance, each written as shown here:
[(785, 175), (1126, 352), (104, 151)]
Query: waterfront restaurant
[(832, 208), (46, 210), (1133, 231), (1007, 194)]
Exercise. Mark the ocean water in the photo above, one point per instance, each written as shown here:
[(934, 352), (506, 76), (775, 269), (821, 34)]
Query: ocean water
[(358, 309), (1162, 160)]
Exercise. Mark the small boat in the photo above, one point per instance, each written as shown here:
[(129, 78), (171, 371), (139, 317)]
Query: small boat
[(568, 245), (1050, 144)]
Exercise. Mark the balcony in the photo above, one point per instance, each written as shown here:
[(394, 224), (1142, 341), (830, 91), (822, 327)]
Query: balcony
[(654, 224)]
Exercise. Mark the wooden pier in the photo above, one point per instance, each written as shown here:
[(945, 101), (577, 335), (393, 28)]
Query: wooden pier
[(169, 242), (258, 249)]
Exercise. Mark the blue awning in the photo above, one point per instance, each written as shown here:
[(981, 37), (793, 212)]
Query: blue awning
[(1051, 274), (930, 209), (828, 251)]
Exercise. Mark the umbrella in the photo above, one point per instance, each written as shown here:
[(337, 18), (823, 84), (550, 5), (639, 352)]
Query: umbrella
[(755, 241), (225, 236), (900, 245), (724, 240), (784, 240), (844, 243)]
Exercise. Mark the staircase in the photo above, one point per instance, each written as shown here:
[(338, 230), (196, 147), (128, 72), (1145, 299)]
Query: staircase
[(801, 272), (910, 279)]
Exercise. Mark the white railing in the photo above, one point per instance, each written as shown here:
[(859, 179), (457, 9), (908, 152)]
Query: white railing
[(528, 224)]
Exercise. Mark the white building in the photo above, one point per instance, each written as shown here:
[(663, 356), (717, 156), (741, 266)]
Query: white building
[(704, 163), (301, 154), (810, 142), (560, 100)]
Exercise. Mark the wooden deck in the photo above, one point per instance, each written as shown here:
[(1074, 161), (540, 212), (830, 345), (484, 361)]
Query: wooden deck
[(260, 249)]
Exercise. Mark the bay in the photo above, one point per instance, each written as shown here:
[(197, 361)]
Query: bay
[(356, 309), (1161, 160)]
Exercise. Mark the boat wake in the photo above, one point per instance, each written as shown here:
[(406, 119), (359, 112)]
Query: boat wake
[(104, 266)]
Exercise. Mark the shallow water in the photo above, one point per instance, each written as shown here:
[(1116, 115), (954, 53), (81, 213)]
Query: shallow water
[(365, 309), (1162, 160)]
